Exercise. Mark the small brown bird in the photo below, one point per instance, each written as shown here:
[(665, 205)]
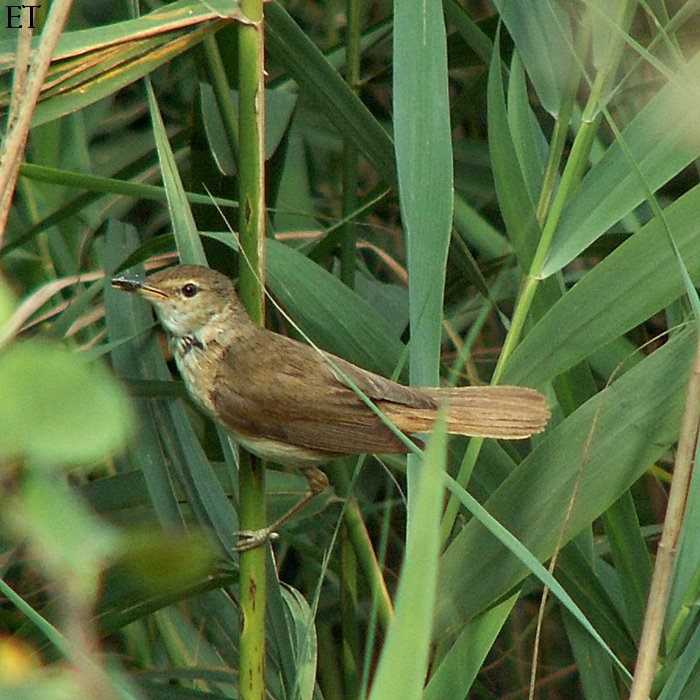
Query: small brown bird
[(287, 402)]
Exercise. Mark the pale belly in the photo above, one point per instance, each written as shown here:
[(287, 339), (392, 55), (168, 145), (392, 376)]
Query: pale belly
[(198, 374)]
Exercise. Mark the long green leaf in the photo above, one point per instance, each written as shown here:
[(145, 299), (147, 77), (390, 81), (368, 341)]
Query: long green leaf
[(409, 635), (289, 45), (189, 246), (612, 189), (516, 206), (424, 161), (632, 422), (607, 302), (541, 30)]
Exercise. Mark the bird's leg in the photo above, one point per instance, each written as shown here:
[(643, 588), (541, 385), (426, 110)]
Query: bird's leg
[(250, 539)]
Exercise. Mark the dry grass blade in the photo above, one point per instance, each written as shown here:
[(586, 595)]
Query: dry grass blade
[(663, 570), (19, 129)]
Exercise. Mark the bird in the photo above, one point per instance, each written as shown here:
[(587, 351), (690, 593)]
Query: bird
[(291, 403)]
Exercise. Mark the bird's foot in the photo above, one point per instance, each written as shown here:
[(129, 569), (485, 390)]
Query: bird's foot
[(251, 539)]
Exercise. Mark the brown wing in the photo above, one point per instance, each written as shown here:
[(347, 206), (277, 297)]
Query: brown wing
[(290, 393)]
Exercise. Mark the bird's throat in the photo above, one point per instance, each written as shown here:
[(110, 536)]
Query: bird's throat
[(185, 344)]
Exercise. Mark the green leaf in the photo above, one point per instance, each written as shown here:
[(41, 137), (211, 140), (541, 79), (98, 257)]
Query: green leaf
[(279, 109), (469, 30), (528, 141), (409, 635), (607, 302), (632, 422), (189, 246), (613, 187), (517, 208), (331, 313), (424, 161), (288, 44), (541, 30), (453, 677), (630, 558), (304, 642), (56, 410), (597, 677)]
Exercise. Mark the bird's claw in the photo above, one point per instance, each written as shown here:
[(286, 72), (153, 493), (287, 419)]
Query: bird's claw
[(251, 539)]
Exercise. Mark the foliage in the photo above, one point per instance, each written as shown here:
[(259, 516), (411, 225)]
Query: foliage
[(509, 192)]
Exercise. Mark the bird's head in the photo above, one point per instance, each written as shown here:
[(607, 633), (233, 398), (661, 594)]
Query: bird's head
[(186, 297)]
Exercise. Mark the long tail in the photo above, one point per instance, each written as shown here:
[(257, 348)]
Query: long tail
[(510, 412)]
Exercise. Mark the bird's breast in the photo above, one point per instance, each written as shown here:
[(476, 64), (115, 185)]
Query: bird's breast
[(197, 364)]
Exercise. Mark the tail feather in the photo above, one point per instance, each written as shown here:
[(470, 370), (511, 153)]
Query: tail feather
[(509, 412)]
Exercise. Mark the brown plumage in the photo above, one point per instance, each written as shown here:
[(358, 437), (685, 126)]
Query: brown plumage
[(287, 402)]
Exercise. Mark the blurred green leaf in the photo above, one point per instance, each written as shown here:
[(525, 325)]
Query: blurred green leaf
[(7, 304), (160, 562), (54, 520), (56, 410), (612, 188)]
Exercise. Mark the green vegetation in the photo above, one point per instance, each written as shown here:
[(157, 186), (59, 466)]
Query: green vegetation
[(461, 192)]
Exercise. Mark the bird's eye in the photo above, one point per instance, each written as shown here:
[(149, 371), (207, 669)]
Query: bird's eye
[(189, 290)]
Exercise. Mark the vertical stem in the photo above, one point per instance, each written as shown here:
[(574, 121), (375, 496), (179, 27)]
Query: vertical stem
[(216, 72), (350, 155), (251, 139), (350, 615), (662, 577), (25, 102), (348, 555)]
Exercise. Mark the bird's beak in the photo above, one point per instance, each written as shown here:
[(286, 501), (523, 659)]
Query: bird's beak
[(139, 286)]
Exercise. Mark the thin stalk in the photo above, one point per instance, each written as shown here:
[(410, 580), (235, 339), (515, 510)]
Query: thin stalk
[(356, 531), (652, 630), (21, 118), (352, 518), (572, 173), (251, 167), (217, 75), (350, 153)]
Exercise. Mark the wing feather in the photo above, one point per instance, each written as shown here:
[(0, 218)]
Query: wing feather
[(318, 410)]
